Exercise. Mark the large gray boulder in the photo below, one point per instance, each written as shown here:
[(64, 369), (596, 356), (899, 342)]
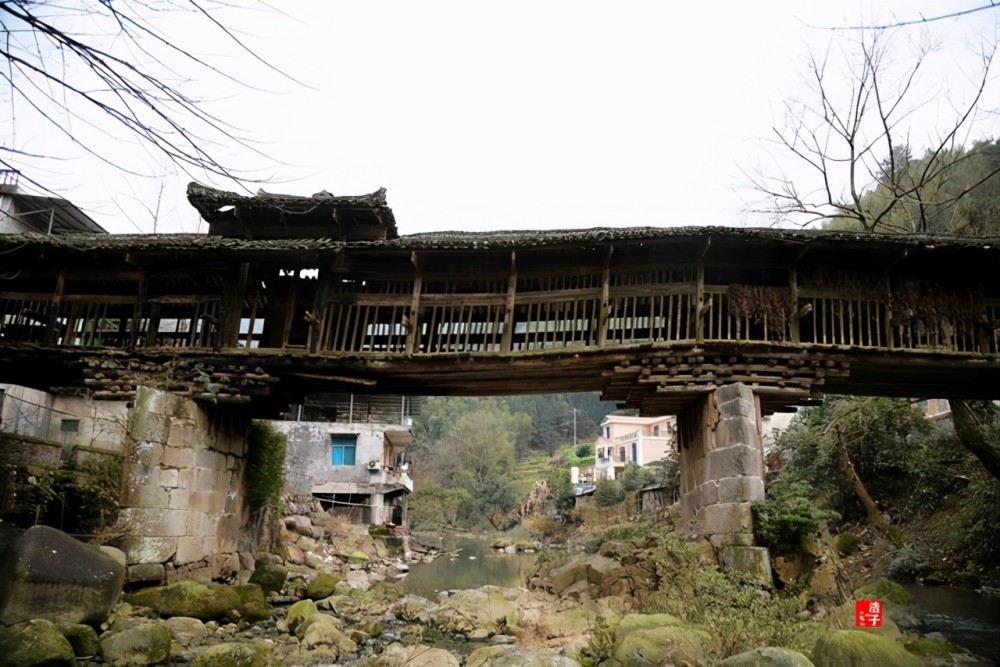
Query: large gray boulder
[(46, 574), (767, 657), (141, 643)]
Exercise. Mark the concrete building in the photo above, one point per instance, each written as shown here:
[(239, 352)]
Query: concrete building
[(626, 437), (350, 452), (22, 212)]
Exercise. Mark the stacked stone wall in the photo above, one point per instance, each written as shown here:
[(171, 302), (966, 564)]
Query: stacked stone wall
[(722, 466), (182, 496)]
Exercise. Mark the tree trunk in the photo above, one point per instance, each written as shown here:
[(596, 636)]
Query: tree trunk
[(970, 434), (875, 517)]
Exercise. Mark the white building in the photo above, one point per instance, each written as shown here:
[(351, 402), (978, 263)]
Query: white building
[(625, 438)]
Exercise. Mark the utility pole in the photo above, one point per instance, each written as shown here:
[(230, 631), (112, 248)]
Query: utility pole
[(574, 426)]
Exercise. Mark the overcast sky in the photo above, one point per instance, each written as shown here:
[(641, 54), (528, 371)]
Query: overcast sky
[(521, 115)]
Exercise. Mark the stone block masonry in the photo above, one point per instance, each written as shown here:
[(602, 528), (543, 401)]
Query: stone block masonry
[(182, 501), (722, 465)]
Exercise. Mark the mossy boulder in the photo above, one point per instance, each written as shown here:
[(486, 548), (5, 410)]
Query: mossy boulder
[(885, 590), (767, 657), (36, 642), (669, 644), (847, 648), (846, 543), (82, 638), (253, 605), (633, 622), (144, 643), (269, 574), (299, 613), (478, 613), (231, 654), (206, 601), (934, 651), (322, 586), (418, 655), (358, 558), (569, 623)]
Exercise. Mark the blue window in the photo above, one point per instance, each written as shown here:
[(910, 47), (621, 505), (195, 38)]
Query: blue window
[(344, 447)]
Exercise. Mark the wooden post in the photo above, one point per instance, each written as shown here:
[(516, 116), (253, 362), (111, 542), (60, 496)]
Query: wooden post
[(602, 323), (793, 284), (413, 333), (507, 340), (699, 323), (233, 290)]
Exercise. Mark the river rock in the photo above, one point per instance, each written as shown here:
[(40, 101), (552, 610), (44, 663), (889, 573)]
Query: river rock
[(186, 630), (269, 574), (36, 642), (593, 574), (767, 657), (846, 648), (897, 603), (206, 601), (411, 608), (299, 613), (322, 586), (518, 656), (477, 613), (324, 630), (232, 654), (939, 652), (657, 639), (46, 574), (569, 623), (82, 638), (418, 655), (253, 605), (144, 643)]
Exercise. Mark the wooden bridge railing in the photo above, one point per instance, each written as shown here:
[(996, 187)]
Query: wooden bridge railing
[(427, 317)]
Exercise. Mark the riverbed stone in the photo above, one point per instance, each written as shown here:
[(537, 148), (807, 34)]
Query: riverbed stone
[(482, 611), (82, 638), (269, 574), (46, 574), (322, 586), (754, 562), (518, 656), (767, 657), (299, 613), (846, 648), (324, 630), (418, 655), (569, 623), (35, 642), (253, 605), (186, 629), (145, 643), (233, 654), (197, 599), (668, 644)]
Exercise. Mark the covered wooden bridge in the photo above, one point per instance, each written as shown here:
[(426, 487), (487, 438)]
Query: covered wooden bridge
[(289, 295)]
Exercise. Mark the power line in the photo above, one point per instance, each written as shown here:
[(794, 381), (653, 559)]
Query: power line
[(993, 4)]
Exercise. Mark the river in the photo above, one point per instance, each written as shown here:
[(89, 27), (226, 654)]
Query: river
[(476, 564), (963, 617)]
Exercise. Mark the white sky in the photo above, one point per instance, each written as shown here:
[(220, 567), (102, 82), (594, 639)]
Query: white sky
[(518, 115)]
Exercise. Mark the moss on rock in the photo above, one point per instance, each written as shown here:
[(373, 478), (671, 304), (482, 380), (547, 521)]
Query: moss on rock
[(34, 643), (885, 590), (82, 638), (767, 657), (670, 644), (233, 654), (299, 613), (322, 586), (205, 601), (847, 648), (144, 643)]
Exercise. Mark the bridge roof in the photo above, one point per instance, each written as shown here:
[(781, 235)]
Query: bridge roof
[(501, 240)]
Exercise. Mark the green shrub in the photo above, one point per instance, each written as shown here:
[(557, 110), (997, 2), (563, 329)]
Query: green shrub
[(265, 466), (847, 543), (624, 532), (609, 492), (781, 521)]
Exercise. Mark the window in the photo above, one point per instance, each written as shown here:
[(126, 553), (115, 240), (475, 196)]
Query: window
[(344, 446), (69, 425)]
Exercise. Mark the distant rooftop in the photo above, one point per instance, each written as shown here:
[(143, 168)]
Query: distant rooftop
[(39, 213)]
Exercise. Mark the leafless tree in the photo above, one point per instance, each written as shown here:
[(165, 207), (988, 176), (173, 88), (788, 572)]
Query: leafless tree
[(99, 71), (853, 138)]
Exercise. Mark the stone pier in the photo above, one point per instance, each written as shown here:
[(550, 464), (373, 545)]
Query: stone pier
[(182, 498), (722, 472)]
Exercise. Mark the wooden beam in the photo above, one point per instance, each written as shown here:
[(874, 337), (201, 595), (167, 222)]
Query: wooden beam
[(507, 340)]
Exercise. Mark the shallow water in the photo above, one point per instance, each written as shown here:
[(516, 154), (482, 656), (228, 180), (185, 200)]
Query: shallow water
[(486, 566), (963, 617)]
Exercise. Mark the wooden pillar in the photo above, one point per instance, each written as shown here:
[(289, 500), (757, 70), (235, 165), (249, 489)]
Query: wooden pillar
[(602, 334), (507, 340), (413, 332), (793, 285), (228, 333)]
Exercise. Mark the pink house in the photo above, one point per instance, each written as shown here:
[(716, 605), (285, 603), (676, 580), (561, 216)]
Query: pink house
[(626, 438)]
